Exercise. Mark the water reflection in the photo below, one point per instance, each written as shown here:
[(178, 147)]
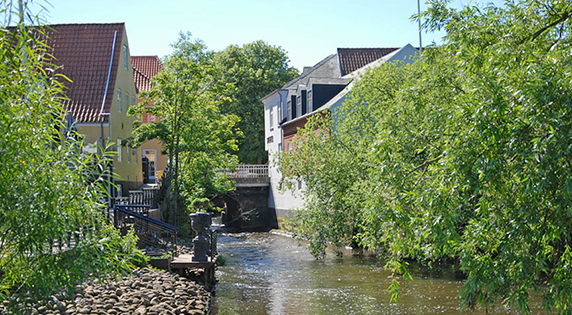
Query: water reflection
[(270, 274)]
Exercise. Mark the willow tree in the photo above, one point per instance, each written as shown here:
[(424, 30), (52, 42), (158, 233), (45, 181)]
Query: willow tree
[(463, 155), (197, 136), (53, 230)]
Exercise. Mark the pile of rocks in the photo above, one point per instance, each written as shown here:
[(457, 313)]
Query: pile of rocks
[(146, 292)]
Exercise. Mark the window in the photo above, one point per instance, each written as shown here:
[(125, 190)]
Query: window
[(125, 57), (305, 102), (309, 96), (133, 100), (134, 152), (126, 102), (270, 139), (271, 118), (119, 151), (119, 100), (129, 154), (299, 108), (289, 110), (294, 112)]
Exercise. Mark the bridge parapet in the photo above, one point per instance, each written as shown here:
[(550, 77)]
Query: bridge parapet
[(250, 171), (251, 175)]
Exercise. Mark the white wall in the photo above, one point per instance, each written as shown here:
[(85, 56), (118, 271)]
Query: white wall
[(281, 200)]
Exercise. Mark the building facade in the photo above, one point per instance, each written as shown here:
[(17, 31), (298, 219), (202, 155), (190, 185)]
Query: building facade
[(96, 59), (154, 159), (322, 87)]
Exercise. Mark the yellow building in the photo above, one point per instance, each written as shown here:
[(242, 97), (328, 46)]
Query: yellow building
[(154, 161), (95, 57)]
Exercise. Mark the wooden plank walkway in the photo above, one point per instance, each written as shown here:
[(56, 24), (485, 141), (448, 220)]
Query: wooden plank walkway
[(183, 262)]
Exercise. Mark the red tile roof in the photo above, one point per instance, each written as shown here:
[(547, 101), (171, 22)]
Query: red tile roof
[(352, 59), (145, 68), (84, 51)]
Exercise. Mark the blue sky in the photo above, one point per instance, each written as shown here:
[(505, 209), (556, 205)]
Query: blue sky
[(309, 30)]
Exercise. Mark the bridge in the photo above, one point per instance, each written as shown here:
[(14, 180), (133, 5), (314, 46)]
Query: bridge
[(246, 207)]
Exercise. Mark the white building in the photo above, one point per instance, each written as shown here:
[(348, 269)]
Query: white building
[(321, 87)]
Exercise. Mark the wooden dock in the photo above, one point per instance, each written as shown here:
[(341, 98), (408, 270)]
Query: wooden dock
[(183, 264)]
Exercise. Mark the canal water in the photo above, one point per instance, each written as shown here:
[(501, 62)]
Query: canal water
[(272, 274)]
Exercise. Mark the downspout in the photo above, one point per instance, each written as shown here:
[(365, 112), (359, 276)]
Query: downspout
[(101, 113)]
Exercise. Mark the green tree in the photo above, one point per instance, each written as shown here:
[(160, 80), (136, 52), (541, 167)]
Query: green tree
[(253, 70), (197, 136), (54, 232), (463, 155)]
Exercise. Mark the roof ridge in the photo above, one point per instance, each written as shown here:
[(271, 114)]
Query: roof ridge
[(368, 48), (305, 74), (73, 23)]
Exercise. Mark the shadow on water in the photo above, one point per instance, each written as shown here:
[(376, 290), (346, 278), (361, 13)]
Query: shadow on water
[(271, 274)]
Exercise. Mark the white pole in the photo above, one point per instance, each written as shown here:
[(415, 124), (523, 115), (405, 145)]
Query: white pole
[(419, 21)]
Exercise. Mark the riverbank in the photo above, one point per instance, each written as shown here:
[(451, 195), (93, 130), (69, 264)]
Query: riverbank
[(145, 292)]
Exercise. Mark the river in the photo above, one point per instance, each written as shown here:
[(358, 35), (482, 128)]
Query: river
[(272, 274)]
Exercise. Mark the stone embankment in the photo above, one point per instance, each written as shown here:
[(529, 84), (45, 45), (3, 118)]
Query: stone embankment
[(146, 292)]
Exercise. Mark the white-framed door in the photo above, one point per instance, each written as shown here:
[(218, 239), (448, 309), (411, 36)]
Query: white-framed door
[(151, 156)]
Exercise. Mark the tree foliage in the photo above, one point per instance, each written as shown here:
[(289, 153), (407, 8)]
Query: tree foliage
[(53, 231), (197, 136), (463, 155), (253, 71)]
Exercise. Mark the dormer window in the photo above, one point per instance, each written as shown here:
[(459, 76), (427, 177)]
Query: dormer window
[(125, 57), (302, 104), (305, 102), (289, 110), (294, 111)]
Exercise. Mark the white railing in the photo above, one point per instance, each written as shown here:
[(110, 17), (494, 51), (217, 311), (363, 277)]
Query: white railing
[(250, 171)]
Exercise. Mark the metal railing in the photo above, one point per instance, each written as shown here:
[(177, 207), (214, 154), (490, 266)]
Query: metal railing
[(151, 232), (250, 171), (142, 197)]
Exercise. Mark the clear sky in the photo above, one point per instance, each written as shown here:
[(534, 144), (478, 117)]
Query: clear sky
[(309, 30)]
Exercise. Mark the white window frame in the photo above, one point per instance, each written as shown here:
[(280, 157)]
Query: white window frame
[(119, 109), (119, 151), (125, 57), (271, 119), (129, 154), (126, 102)]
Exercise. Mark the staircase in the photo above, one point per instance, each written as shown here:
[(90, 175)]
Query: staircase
[(156, 236)]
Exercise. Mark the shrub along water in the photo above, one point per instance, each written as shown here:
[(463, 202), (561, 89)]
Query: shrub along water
[(53, 233), (465, 154)]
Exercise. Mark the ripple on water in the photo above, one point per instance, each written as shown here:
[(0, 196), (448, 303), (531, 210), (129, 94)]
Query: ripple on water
[(271, 274)]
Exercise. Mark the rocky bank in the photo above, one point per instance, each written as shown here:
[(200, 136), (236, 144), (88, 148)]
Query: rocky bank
[(146, 292)]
